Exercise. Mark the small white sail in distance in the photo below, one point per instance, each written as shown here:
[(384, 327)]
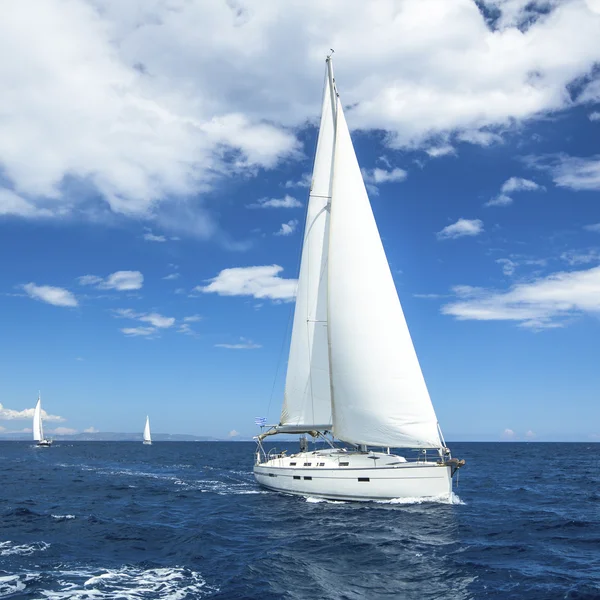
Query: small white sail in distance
[(146, 436), (38, 429)]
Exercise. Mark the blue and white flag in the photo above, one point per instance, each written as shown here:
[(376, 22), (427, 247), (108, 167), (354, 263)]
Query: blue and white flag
[(260, 421)]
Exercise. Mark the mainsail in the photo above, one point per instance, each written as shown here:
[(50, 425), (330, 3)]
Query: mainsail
[(379, 393), (146, 436), (38, 430), (307, 399)]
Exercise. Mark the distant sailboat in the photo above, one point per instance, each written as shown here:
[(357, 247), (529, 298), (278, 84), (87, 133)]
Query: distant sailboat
[(352, 371), (38, 427), (147, 438)]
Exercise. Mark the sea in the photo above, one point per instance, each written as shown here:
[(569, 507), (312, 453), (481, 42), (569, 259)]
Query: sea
[(186, 520)]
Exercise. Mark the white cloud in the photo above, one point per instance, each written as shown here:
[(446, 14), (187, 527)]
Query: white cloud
[(514, 184), (155, 319), (287, 228), (442, 150), (303, 182), (530, 435), (286, 202), (595, 227), (52, 295), (542, 303), (462, 227), (595, 116), (62, 431), (377, 176), (171, 276), (508, 434), (143, 106), (508, 265), (258, 282), (138, 331), (80, 359), (120, 281), (9, 414), (192, 319), (243, 344), (577, 173), (581, 257), (150, 237), (91, 430), (233, 433)]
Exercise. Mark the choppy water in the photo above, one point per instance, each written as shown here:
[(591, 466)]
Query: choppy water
[(186, 520)]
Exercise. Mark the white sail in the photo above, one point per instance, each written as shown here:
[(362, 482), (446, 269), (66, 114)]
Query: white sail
[(38, 430), (307, 399), (379, 394), (146, 436)]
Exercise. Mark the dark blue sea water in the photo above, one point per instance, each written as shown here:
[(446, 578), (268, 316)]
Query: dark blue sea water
[(186, 520)]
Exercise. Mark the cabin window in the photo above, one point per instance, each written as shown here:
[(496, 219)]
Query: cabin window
[(297, 477), (307, 464), (321, 464), (272, 475), (344, 464), (364, 479), (309, 478), (292, 464)]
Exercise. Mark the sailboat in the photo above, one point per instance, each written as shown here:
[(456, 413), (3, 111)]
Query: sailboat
[(353, 375), (146, 436), (38, 427)]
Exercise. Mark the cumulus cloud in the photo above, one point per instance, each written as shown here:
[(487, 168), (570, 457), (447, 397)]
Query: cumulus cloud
[(233, 433), (542, 303), (595, 227), (530, 434), (192, 319), (91, 430), (258, 282), (509, 434), (171, 276), (442, 150), (143, 107), (462, 227), (9, 414), (286, 202), (287, 228), (577, 173), (51, 295), (243, 344), (595, 116), (120, 281), (514, 184), (303, 182)]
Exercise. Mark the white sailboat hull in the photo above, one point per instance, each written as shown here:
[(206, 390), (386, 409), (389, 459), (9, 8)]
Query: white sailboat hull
[(392, 478), (147, 443), (45, 443)]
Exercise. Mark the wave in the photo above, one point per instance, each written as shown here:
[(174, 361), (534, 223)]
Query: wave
[(441, 499), (129, 583), (63, 517), (9, 548)]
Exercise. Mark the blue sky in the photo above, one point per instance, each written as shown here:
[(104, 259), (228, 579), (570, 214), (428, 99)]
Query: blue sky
[(130, 192)]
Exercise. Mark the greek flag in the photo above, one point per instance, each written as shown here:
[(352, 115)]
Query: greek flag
[(260, 421)]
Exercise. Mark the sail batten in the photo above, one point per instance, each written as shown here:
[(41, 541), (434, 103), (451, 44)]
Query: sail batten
[(379, 393), (307, 399)]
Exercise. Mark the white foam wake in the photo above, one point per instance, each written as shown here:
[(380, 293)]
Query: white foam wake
[(441, 499), (9, 548), (129, 583), (63, 517)]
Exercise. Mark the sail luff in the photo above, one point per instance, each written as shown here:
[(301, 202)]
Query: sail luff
[(307, 399), (146, 435), (379, 393)]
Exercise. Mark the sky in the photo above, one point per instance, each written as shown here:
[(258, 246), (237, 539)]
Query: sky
[(155, 157)]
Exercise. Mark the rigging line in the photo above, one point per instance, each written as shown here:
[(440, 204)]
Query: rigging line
[(319, 196)]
